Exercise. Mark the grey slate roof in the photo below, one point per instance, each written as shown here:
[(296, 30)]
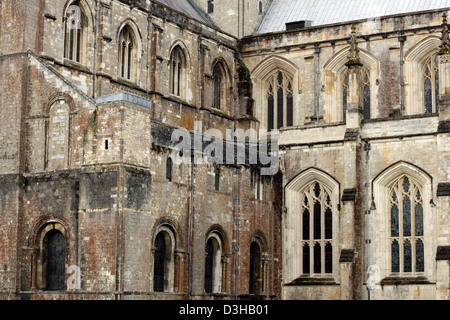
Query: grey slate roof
[(322, 12), (189, 8)]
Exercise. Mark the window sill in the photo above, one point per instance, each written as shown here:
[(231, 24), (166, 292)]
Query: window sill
[(399, 281), (312, 281)]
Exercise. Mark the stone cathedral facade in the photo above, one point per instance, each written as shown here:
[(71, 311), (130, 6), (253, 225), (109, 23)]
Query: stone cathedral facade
[(93, 204)]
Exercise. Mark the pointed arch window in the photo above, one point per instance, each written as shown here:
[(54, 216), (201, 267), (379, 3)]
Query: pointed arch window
[(317, 230), (280, 101), (75, 23), (431, 84), (219, 80), (177, 65), (407, 227), (127, 55)]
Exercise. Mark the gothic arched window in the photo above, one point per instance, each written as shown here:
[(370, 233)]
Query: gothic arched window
[(280, 101), (127, 55), (407, 227), (177, 65), (219, 94), (431, 84), (317, 230), (75, 24)]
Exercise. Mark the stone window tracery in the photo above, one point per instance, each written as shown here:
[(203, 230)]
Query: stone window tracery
[(127, 55), (431, 84), (280, 102), (75, 24), (177, 65), (317, 230), (407, 227)]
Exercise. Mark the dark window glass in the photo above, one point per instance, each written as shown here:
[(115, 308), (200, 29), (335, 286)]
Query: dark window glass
[(280, 102), (428, 96), (209, 266), (306, 259), (407, 252), (328, 224), (270, 113), (328, 258), (217, 179), (420, 262), (406, 217), (56, 263), (317, 219), (419, 220), (290, 110), (218, 79), (210, 6), (395, 257), (317, 258), (255, 268), (159, 263), (306, 217), (169, 165)]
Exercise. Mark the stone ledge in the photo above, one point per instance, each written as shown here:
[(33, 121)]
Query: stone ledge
[(310, 281), (398, 281)]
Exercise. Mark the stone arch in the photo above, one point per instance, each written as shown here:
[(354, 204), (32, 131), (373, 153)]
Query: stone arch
[(164, 256), (260, 76), (87, 34), (216, 248), (221, 93), (39, 240), (258, 268), (179, 77), (381, 194), (332, 77), (295, 192), (415, 58), (136, 52)]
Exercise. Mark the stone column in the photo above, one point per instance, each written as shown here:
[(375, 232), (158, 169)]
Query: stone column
[(351, 227)]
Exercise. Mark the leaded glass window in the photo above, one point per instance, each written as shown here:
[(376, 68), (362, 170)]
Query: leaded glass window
[(407, 227), (280, 101), (317, 230), (431, 84)]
